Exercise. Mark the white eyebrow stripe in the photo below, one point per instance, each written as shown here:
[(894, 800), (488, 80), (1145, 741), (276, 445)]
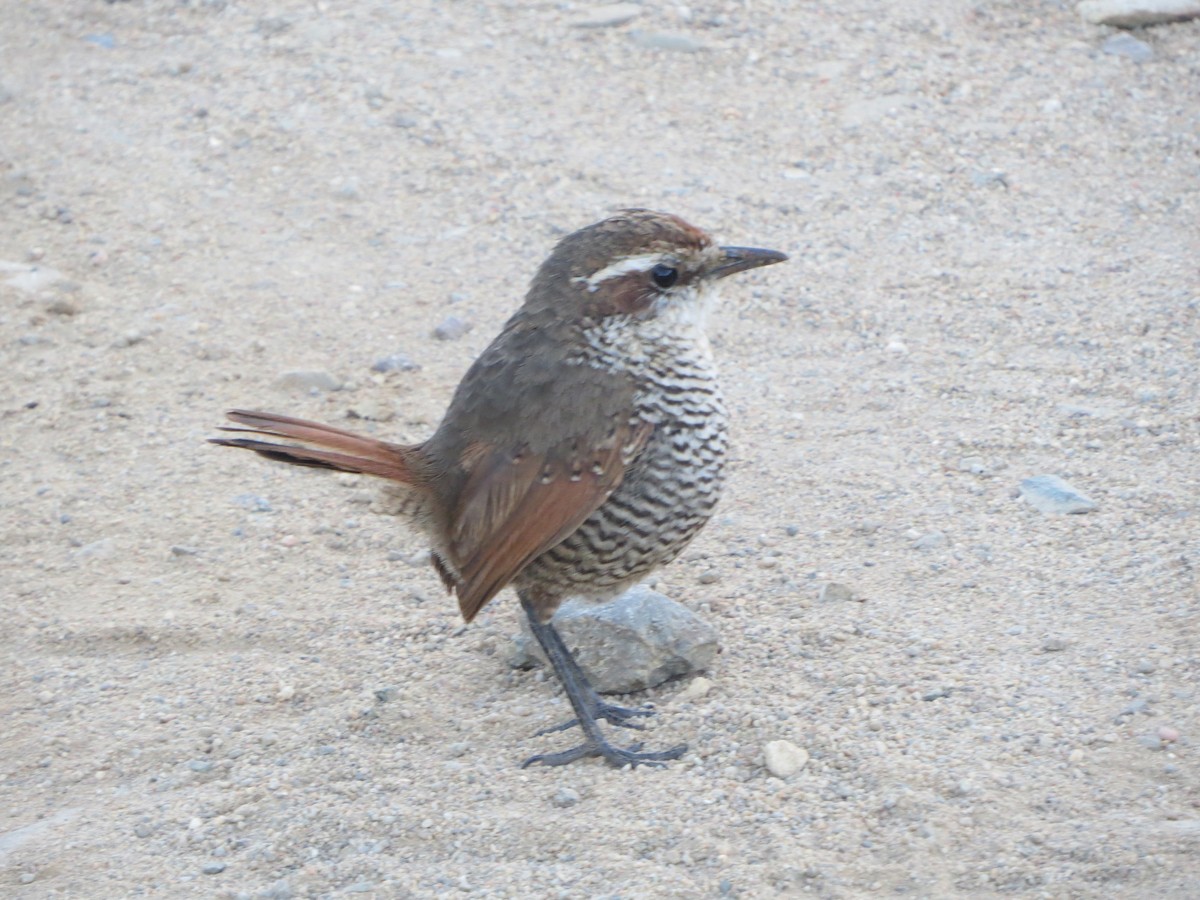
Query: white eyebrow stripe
[(624, 267)]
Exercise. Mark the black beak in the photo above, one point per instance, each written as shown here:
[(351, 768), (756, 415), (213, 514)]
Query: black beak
[(739, 259)]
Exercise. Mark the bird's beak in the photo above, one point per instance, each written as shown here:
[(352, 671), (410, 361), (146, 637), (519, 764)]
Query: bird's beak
[(739, 259)]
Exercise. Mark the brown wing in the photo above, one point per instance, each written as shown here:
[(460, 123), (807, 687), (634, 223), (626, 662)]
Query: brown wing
[(517, 505)]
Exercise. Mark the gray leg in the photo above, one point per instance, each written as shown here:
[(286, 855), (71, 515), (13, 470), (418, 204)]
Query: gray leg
[(584, 701)]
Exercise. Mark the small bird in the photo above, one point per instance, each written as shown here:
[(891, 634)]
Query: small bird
[(583, 449)]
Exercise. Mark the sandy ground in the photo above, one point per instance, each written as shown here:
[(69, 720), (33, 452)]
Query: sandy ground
[(223, 677)]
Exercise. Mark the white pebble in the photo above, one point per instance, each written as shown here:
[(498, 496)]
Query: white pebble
[(783, 758)]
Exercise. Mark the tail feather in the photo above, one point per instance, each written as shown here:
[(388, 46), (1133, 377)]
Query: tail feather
[(336, 449)]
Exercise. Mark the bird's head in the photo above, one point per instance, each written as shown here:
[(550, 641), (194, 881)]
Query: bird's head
[(638, 263)]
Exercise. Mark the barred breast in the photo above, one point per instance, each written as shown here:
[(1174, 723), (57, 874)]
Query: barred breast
[(667, 495)]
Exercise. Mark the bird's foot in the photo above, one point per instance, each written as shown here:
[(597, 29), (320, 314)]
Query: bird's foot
[(620, 716), (615, 756)]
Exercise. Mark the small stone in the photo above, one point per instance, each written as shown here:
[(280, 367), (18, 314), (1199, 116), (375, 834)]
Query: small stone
[(933, 540), (252, 502), (835, 592), (27, 878), (1168, 735), (200, 765), (663, 40), (308, 380), (783, 758), (101, 549), (285, 693), (213, 868), (565, 797), (973, 464), (395, 362), (181, 550), (709, 577), (608, 16), (1150, 741), (1052, 644), (1145, 667), (63, 306), (992, 179), (1052, 495), (697, 689), (1128, 46), (1137, 13), (451, 328)]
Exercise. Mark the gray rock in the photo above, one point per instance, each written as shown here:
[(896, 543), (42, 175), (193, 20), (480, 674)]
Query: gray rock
[(565, 797), (213, 868), (1052, 495), (664, 40), (637, 641), (835, 592), (1137, 13), (607, 16), (933, 540), (252, 502), (101, 549), (973, 464), (394, 362), (451, 328), (304, 380), (1128, 46)]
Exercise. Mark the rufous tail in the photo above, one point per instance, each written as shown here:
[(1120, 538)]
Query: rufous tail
[(336, 449)]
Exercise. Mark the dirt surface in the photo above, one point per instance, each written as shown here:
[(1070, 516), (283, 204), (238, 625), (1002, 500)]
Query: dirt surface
[(223, 677)]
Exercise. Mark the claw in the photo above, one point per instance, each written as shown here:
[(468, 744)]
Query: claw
[(615, 756), (611, 713)]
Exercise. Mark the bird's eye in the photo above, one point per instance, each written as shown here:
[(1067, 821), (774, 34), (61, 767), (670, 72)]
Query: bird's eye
[(664, 276)]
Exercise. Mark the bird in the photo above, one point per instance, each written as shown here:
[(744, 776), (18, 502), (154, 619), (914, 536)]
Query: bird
[(583, 449)]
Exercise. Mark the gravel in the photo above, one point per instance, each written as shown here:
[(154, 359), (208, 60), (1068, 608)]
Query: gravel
[(303, 188)]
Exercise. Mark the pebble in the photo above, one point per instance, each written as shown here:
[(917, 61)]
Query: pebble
[(697, 689), (1052, 495), (101, 549), (973, 464), (608, 16), (709, 577), (637, 641), (213, 868), (1137, 13), (1145, 667), (306, 380), (451, 328), (933, 540), (252, 502), (1168, 735), (1054, 644), (181, 550), (835, 592), (783, 758), (665, 40), (27, 878), (565, 797), (394, 362), (1128, 46)]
